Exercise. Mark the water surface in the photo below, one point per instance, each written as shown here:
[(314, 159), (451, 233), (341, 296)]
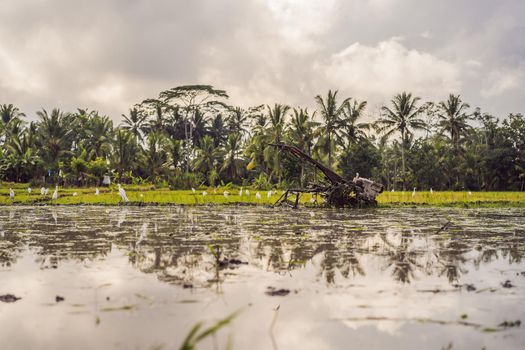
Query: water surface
[(140, 278)]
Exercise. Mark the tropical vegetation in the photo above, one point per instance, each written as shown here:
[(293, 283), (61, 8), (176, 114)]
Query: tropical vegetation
[(191, 136)]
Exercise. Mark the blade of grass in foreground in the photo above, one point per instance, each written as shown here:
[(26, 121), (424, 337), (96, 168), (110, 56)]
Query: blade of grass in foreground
[(194, 336)]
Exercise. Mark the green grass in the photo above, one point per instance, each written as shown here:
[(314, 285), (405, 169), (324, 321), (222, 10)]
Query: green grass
[(452, 199), (137, 195), (149, 195)]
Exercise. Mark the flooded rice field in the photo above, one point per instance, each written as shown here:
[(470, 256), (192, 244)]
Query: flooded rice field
[(141, 278)]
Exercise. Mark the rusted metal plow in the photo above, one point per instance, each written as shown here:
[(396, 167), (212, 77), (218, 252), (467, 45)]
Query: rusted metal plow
[(340, 192)]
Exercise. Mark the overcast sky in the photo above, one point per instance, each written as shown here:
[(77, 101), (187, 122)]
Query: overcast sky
[(110, 54)]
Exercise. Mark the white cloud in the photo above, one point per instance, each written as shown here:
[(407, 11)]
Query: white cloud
[(389, 68), (502, 81), (108, 55), (301, 22)]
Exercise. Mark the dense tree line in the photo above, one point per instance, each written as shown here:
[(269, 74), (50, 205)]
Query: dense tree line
[(190, 136)]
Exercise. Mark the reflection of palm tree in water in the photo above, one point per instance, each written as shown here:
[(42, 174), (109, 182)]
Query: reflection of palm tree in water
[(339, 253), (179, 253), (514, 253), (451, 257), (402, 257)]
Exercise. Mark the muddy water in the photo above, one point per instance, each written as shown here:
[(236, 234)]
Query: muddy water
[(140, 278)]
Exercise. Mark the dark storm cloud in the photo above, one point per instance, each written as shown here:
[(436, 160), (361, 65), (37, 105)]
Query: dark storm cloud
[(108, 55)]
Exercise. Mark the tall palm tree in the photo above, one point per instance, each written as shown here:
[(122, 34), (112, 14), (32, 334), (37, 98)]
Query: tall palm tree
[(218, 131), (302, 133), (232, 165), (239, 119), (276, 133), (54, 137), (124, 153), (206, 157), (135, 123), (331, 112), (352, 130), (199, 123), (9, 112), (99, 134), (156, 109), (302, 129), (21, 158), (255, 151), (402, 118), (155, 156), (174, 149), (453, 118)]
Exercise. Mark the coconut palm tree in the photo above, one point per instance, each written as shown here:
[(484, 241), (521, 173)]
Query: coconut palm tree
[(302, 133), (239, 119), (21, 160), (276, 133), (402, 118), (99, 134), (135, 123), (302, 129), (218, 131), (206, 157), (453, 118), (232, 165), (155, 156), (125, 151), (352, 130), (175, 152), (156, 110), (9, 112), (54, 139), (331, 113)]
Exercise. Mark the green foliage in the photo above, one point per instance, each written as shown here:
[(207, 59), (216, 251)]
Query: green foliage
[(189, 136), (363, 158), (97, 168), (262, 182)]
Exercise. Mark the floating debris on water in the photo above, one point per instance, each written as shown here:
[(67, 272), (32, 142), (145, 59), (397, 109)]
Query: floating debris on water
[(9, 298)]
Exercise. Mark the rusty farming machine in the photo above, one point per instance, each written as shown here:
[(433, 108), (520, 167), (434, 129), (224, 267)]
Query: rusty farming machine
[(337, 192)]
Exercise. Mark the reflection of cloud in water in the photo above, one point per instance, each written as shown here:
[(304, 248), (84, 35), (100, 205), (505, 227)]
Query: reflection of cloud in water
[(405, 247), (340, 266)]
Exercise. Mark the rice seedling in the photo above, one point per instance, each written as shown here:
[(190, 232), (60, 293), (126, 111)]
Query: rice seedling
[(195, 335), (149, 195)]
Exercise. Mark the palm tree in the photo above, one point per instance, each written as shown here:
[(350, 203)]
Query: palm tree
[(175, 124), (276, 133), (135, 123), (207, 156), (99, 134), (155, 157), (331, 113), (124, 152), (352, 130), (302, 133), (453, 118), (9, 112), (54, 137), (174, 149), (218, 131), (199, 127), (255, 151), (402, 118), (239, 118), (232, 165), (302, 130), (21, 158), (13, 128), (157, 110)]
